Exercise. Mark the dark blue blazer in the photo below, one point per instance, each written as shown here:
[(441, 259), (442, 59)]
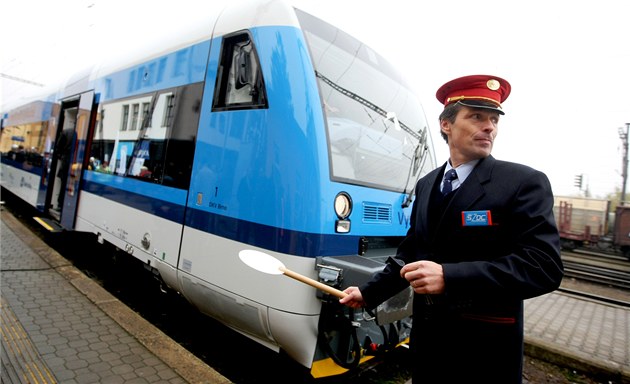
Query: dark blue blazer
[(489, 269)]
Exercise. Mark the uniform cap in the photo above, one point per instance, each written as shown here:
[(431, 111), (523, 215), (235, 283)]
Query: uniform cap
[(477, 91)]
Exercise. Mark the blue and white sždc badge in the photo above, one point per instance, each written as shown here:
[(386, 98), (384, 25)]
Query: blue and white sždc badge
[(476, 218)]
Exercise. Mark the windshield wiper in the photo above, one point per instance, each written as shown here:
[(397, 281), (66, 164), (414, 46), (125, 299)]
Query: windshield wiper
[(364, 102), (417, 162)]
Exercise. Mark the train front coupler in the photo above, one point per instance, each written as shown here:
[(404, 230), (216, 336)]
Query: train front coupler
[(347, 334)]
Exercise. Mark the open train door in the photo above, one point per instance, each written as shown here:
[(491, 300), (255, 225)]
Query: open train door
[(75, 119)]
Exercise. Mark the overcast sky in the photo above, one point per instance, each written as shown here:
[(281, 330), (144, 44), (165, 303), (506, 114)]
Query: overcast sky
[(568, 63)]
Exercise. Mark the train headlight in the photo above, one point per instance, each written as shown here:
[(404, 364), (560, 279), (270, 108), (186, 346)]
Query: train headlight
[(343, 205), (343, 209)]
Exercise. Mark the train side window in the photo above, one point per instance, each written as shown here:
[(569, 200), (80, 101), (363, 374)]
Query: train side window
[(25, 143), (162, 150), (239, 83)]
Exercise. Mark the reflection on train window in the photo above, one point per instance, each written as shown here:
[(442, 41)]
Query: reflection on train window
[(168, 111), (24, 140), (125, 117), (99, 123), (369, 145), (134, 116), (145, 111), (239, 82), (161, 150)]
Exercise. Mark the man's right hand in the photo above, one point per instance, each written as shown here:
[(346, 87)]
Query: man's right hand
[(354, 298)]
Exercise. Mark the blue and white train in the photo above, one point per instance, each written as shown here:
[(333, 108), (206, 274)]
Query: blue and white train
[(265, 128)]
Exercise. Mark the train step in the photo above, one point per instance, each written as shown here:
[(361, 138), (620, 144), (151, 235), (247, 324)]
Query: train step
[(50, 224)]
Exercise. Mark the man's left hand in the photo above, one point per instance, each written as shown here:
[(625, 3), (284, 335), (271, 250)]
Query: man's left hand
[(425, 277)]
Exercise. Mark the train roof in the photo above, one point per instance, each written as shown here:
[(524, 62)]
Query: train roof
[(126, 46)]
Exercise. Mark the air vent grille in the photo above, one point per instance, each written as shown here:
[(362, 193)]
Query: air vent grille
[(377, 213)]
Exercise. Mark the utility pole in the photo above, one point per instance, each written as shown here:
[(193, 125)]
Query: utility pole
[(623, 135)]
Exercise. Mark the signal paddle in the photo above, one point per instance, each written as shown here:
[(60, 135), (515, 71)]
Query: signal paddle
[(266, 263)]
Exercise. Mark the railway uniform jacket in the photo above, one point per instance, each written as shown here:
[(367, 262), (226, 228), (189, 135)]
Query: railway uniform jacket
[(473, 332)]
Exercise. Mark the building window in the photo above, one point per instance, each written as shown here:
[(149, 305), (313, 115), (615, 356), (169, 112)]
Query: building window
[(168, 111), (125, 117), (101, 116), (134, 117), (145, 113)]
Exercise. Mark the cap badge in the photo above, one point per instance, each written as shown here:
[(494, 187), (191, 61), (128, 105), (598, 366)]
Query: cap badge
[(493, 84)]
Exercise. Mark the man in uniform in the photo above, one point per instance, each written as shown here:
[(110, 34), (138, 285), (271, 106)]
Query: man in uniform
[(482, 239)]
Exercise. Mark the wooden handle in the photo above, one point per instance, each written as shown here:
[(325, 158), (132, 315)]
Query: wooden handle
[(314, 283)]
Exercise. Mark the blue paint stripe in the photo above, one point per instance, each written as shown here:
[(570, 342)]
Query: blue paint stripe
[(144, 188), (155, 206), (272, 238), (259, 235), (23, 165)]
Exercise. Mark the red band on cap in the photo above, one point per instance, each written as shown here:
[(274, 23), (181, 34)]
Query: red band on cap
[(477, 87)]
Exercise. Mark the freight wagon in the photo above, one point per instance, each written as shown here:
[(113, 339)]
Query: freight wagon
[(590, 223)]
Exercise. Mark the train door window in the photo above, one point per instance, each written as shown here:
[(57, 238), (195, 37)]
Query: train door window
[(239, 83)]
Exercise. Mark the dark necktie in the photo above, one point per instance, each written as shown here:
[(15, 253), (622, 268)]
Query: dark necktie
[(448, 180)]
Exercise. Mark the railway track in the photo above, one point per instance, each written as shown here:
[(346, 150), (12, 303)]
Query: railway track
[(597, 274), (614, 258), (599, 268), (592, 296)]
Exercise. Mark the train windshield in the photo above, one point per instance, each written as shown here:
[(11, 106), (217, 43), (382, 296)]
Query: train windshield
[(377, 131)]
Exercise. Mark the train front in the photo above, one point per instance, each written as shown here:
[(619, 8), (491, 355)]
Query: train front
[(378, 146)]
